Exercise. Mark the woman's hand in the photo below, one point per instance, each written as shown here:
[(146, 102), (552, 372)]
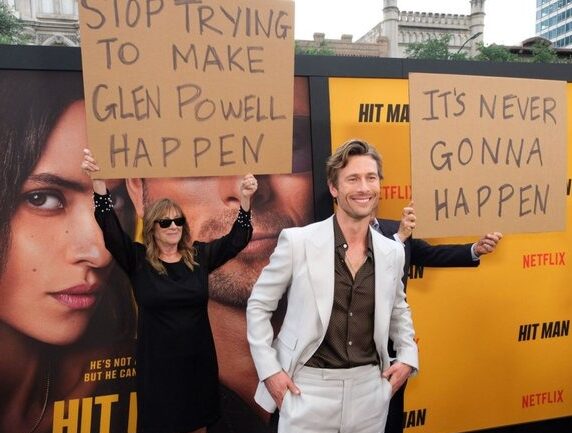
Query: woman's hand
[(89, 166), (248, 186)]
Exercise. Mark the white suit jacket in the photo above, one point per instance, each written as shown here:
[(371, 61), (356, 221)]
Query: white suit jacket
[(302, 265)]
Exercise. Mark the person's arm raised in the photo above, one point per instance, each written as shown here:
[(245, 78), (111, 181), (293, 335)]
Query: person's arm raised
[(117, 242), (89, 166), (248, 187)]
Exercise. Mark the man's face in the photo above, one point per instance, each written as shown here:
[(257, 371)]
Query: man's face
[(357, 188), (210, 205)]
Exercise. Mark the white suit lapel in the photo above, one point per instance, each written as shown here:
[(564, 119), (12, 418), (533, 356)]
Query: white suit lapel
[(320, 262), (384, 276)]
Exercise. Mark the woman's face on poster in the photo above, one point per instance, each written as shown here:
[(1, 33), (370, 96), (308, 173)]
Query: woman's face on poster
[(56, 261)]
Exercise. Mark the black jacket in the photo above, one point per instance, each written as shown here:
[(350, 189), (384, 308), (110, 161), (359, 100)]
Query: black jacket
[(420, 253)]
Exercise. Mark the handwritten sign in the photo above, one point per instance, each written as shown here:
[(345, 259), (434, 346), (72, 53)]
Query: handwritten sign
[(188, 87), (487, 154)]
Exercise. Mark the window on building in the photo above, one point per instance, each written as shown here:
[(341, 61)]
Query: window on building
[(47, 6), (67, 7), (58, 7)]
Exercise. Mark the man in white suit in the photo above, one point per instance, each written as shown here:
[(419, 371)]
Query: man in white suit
[(328, 369)]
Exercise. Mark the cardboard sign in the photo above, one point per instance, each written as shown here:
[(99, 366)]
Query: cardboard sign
[(188, 87), (487, 154)]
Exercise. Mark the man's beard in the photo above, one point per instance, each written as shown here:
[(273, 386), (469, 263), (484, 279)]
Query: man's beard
[(233, 286), (233, 289)]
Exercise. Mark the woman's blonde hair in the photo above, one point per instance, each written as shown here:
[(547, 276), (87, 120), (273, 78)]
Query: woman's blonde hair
[(161, 209)]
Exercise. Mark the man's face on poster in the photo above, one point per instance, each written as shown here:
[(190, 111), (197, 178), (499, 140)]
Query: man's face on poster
[(210, 205)]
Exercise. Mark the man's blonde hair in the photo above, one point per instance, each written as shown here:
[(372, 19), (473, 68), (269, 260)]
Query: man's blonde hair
[(339, 159)]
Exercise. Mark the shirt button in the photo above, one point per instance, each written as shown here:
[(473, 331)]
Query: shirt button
[(345, 246), (349, 343), (351, 314)]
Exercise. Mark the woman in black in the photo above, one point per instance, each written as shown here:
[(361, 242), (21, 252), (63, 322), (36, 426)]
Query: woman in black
[(177, 373)]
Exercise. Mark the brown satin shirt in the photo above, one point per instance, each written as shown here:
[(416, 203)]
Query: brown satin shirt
[(349, 337)]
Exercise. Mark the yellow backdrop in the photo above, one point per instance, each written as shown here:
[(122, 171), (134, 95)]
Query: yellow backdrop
[(494, 341)]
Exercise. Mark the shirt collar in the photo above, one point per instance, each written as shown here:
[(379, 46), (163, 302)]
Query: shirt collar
[(375, 225), (340, 240)]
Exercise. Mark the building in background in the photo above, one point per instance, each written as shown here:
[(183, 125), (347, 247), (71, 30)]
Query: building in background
[(402, 28), (49, 22), (397, 29), (55, 22), (554, 22), (344, 46)]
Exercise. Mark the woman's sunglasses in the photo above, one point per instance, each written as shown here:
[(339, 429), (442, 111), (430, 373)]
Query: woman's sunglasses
[(166, 222)]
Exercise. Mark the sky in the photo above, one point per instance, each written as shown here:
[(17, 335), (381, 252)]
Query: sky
[(507, 22)]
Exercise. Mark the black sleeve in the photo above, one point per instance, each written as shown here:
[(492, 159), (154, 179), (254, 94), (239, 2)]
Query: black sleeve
[(117, 242), (441, 256), (221, 250)]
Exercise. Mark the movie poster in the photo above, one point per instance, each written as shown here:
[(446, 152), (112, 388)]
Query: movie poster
[(67, 316)]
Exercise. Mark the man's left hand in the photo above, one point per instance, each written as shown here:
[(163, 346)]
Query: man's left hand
[(397, 374)]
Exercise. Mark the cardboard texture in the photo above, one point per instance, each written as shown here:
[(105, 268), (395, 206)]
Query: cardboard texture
[(188, 88), (487, 154)]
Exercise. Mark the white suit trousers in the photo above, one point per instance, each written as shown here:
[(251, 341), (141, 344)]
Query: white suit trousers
[(352, 400)]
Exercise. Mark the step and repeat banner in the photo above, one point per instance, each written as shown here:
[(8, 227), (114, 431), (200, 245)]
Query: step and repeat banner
[(494, 340)]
